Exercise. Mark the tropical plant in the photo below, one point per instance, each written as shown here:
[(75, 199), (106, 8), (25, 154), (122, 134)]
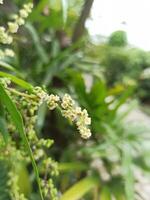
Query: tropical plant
[(53, 50)]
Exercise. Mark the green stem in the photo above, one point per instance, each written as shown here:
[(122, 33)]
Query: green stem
[(21, 94), (34, 165)]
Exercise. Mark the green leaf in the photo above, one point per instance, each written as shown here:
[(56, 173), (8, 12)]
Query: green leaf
[(4, 178), (16, 80), (38, 9), (79, 85), (98, 93), (105, 194), (18, 122), (7, 66), (80, 189), (3, 125), (64, 9), (3, 129), (41, 117), (25, 187), (123, 98), (77, 166), (128, 173), (40, 50)]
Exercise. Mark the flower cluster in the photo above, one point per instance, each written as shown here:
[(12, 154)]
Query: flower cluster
[(68, 109), (15, 190), (20, 19), (6, 34), (75, 114), (5, 82), (9, 152), (6, 53), (30, 102), (49, 189), (5, 38), (47, 166), (52, 101)]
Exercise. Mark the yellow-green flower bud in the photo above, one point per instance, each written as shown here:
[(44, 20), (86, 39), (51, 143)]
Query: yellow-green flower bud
[(13, 27)]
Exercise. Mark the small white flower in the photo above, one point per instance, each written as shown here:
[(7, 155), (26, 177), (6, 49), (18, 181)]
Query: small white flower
[(83, 118), (5, 38), (67, 101), (13, 27), (69, 114), (9, 40), (85, 132), (9, 52), (52, 101), (23, 13), (78, 110), (20, 21)]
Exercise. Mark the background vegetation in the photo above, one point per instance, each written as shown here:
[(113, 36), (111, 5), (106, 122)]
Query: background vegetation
[(110, 79)]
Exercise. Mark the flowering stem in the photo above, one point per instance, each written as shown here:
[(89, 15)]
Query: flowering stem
[(22, 94)]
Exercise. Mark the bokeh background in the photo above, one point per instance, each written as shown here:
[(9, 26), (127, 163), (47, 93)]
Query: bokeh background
[(99, 52)]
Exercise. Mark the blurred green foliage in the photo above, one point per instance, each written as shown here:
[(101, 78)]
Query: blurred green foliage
[(102, 78), (118, 38)]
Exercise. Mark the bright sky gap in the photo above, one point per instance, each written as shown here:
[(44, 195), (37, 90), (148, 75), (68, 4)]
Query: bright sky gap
[(132, 16)]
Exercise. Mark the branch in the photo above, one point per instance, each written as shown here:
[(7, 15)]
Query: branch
[(80, 25)]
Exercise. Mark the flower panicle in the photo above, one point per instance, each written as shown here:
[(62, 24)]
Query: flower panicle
[(68, 109), (12, 27)]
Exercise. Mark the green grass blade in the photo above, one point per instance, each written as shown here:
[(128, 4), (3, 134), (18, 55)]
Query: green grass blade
[(64, 9), (128, 173), (38, 10), (3, 125), (18, 122), (40, 50), (72, 166), (105, 194), (7, 66), (80, 189), (4, 178), (3, 129), (16, 80), (41, 117)]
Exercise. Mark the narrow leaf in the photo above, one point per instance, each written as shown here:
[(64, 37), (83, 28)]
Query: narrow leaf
[(3, 129), (64, 9), (41, 117), (3, 125), (105, 194), (18, 122), (77, 166), (7, 66), (16, 80), (80, 189), (40, 50), (128, 173)]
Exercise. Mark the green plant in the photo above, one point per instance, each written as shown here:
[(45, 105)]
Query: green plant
[(28, 148), (118, 38), (102, 78)]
